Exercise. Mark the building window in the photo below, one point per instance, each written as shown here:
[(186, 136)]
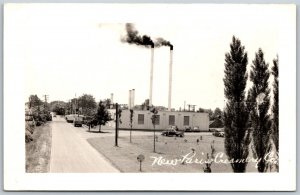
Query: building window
[(186, 120), (141, 119), (172, 120)]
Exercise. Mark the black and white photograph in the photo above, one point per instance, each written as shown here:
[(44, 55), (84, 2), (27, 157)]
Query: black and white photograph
[(177, 93)]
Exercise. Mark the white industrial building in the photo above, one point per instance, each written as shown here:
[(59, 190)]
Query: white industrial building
[(142, 120)]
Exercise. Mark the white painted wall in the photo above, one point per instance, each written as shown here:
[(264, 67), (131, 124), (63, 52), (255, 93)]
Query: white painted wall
[(196, 119)]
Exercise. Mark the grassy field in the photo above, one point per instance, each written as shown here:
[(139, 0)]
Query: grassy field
[(124, 157), (38, 151)]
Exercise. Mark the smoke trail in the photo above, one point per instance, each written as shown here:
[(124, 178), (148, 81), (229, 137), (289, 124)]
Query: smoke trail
[(133, 37), (161, 42)]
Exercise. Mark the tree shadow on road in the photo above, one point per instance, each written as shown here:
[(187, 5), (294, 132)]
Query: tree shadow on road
[(98, 131)]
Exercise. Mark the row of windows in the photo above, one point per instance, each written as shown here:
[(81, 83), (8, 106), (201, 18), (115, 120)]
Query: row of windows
[(186, 119)]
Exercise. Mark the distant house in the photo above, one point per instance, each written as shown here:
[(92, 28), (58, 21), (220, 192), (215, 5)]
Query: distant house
[(217, 123)]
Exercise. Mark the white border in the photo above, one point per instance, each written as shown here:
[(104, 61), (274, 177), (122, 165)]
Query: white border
[(16, 179)]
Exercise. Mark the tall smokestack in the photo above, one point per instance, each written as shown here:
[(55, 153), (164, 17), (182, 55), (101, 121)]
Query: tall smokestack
[(170, 78), (132, 98), (151, 75), (112, 98), (129, 100)]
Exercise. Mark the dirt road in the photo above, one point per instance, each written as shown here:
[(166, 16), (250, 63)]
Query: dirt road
[(71, 153)]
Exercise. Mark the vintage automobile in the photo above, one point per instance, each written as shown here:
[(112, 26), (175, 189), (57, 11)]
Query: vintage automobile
[(70, 118), (173, 131), (218, 134), (78, 121), (188, 129), (196, 129)]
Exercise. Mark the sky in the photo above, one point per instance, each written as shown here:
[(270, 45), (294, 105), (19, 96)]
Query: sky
[(70, 50)]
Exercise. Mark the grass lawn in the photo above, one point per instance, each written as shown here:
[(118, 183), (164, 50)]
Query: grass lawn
[(124, 157), (38, 151)]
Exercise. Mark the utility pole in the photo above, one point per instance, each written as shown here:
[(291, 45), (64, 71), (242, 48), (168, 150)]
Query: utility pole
[(117, 125), (76, 105), (191, 107), (46, 97)]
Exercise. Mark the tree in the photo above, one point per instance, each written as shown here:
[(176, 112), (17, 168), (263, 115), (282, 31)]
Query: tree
[(210, 114), (154, 122), (237, 135), (260, 119), (275, 108), (39, 113), (87, 104), (217, 114), (34, 101), (130, 121), (72, 106), (145, 105), (107, 103), (102, 116), (59, 107)]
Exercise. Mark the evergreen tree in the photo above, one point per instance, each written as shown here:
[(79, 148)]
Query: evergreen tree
[(102, 116), (259, 96), (237, 135), (275, 108)]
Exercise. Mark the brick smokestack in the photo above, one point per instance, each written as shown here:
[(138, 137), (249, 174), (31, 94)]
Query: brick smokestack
[(151, 75), (170, 79), (112, 98)]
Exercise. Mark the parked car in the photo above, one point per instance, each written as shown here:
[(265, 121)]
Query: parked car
[(78, 121), (173, 131), (70, 118), (212, 130), (196, 128), (218, 134), (187, 129)]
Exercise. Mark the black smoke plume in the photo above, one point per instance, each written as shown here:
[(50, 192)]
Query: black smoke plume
[(133, 37), (161, 42)]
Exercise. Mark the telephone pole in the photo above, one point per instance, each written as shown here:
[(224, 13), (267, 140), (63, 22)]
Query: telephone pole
[(46, 97), (117, 124), (191, 107)]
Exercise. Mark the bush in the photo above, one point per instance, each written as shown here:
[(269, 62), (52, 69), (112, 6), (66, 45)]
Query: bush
[(29, 128), (28, 137), (38, 123), (49, 117)]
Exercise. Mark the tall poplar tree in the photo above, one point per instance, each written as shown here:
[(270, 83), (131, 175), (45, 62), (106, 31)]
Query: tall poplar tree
[(237, 136), (260, 119), (275, 108)]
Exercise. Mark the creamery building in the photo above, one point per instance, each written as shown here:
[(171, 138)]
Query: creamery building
[(142, 120)]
